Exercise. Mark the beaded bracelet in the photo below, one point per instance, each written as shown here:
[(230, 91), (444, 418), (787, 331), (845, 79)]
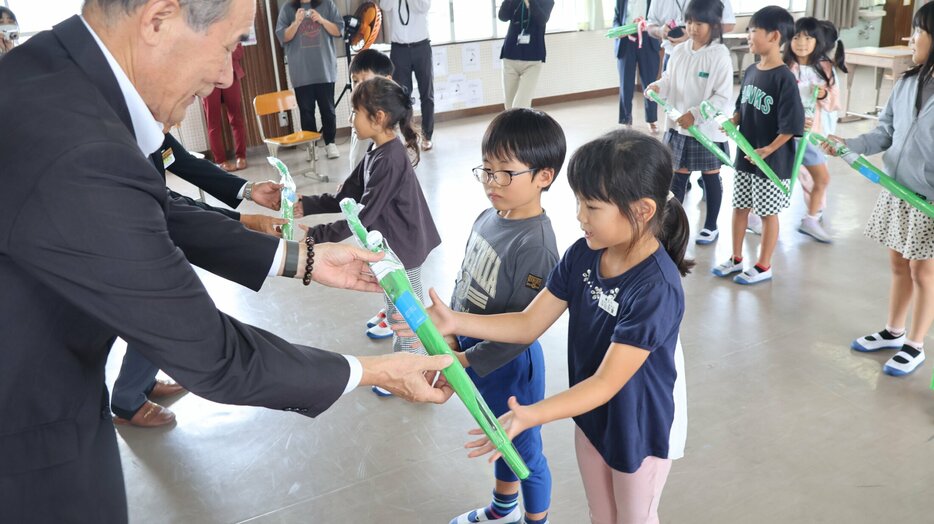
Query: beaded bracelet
[(310, 262)]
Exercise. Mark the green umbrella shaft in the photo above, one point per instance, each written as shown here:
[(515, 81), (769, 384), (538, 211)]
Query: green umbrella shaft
[(709, 111), (395, 282), (695, 132), (287, 197), (809, 110), (623, 30)]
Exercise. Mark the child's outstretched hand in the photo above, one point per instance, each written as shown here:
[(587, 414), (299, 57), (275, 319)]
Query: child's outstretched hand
[(518, 419), (441, 315), (298, 209), (832, 145)]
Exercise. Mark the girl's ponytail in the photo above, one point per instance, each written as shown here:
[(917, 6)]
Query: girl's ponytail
[(381, 94), (839, 57), (675, 234), (409, 134)]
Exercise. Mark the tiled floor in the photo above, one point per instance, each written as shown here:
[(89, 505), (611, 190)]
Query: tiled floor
[(786, 423)]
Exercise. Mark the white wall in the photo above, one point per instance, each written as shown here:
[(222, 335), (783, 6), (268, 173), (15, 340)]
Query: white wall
[(576, 62)]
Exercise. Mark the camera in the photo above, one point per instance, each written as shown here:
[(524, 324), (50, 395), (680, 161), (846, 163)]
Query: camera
[(9, 32)]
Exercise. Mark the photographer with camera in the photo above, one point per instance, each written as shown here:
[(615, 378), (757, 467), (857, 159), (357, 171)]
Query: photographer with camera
[(306, 30), (9, 30)]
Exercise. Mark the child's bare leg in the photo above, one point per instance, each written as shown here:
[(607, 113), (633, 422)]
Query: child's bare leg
[(821, 177), (740, 220), (769, 240), (901, 291)]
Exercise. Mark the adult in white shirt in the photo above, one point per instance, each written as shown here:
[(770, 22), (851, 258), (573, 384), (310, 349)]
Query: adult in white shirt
[(666, 15), (411, 54)]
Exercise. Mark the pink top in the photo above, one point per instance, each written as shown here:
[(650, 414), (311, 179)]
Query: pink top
[(808, 77)]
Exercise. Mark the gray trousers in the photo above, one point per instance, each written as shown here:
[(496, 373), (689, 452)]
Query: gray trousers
[(416, 58), (136, 380)]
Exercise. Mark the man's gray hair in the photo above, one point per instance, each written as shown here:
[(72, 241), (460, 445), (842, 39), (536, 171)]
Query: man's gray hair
[(200, 14)]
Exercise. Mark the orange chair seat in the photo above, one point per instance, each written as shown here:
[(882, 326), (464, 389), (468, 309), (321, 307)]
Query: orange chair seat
[(294, 138)]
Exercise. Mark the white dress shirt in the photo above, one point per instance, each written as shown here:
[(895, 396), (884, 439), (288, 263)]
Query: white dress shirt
[(414, 12), (149, 137)]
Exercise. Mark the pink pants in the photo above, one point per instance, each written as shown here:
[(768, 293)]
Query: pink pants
[(231, 98), (615, 497)]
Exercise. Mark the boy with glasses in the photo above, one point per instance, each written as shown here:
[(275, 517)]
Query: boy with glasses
[(510, 252)]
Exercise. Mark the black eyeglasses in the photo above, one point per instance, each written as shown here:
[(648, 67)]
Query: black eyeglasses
[(500, 178)]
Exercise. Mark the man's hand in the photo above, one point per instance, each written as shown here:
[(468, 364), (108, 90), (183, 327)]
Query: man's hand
[(299, 16), (298, 209), (408, 376), (267, 194), (315, 16), (263, 224), (686, 120), (653, 87), (345, 266), (808, 122)]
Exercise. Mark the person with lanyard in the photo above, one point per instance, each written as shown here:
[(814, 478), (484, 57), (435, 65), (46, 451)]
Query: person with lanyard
[(666, 22), (411, 54), (630, 53), (523, 50)]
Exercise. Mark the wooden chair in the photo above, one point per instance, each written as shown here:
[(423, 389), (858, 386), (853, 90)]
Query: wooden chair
[(270, 103)]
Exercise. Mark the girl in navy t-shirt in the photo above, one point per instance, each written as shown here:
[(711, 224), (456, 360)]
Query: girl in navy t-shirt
[(621, 284)]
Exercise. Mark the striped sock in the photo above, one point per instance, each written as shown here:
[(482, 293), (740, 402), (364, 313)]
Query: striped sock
[(502, 505)]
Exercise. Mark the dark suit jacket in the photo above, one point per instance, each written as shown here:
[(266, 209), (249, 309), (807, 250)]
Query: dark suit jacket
[(201, 173), (89, 250)]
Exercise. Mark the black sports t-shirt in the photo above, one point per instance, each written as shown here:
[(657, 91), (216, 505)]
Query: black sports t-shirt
[(769, 105)]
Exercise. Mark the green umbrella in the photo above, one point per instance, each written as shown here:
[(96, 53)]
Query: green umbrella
[(709, 111), (395, 283), (674, 114), (809, 110)]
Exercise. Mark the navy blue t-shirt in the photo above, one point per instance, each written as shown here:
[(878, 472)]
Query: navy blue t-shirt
[(769, 105), (648, 416)]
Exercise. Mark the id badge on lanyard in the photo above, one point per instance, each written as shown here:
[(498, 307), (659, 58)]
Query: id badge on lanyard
[(524, 37)]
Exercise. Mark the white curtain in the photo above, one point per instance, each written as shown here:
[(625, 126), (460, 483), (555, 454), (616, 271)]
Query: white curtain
[(843, 13)]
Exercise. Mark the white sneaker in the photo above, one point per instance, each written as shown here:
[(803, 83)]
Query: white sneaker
[(727, 268), (754, 224), (426, 144), (379, 331), (904, 362), (331, 151), (876, 342), (479, 515), (377, 318), (380, 392), (753, 276), (707, 236), (813, 228)]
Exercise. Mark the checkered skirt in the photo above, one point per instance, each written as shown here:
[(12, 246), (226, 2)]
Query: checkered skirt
[(688, 153)]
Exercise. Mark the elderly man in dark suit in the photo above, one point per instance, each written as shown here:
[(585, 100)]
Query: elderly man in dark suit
[(92, 248)]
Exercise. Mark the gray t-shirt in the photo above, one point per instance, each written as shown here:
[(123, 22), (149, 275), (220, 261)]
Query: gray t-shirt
[(310, 53), (505, 266)]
